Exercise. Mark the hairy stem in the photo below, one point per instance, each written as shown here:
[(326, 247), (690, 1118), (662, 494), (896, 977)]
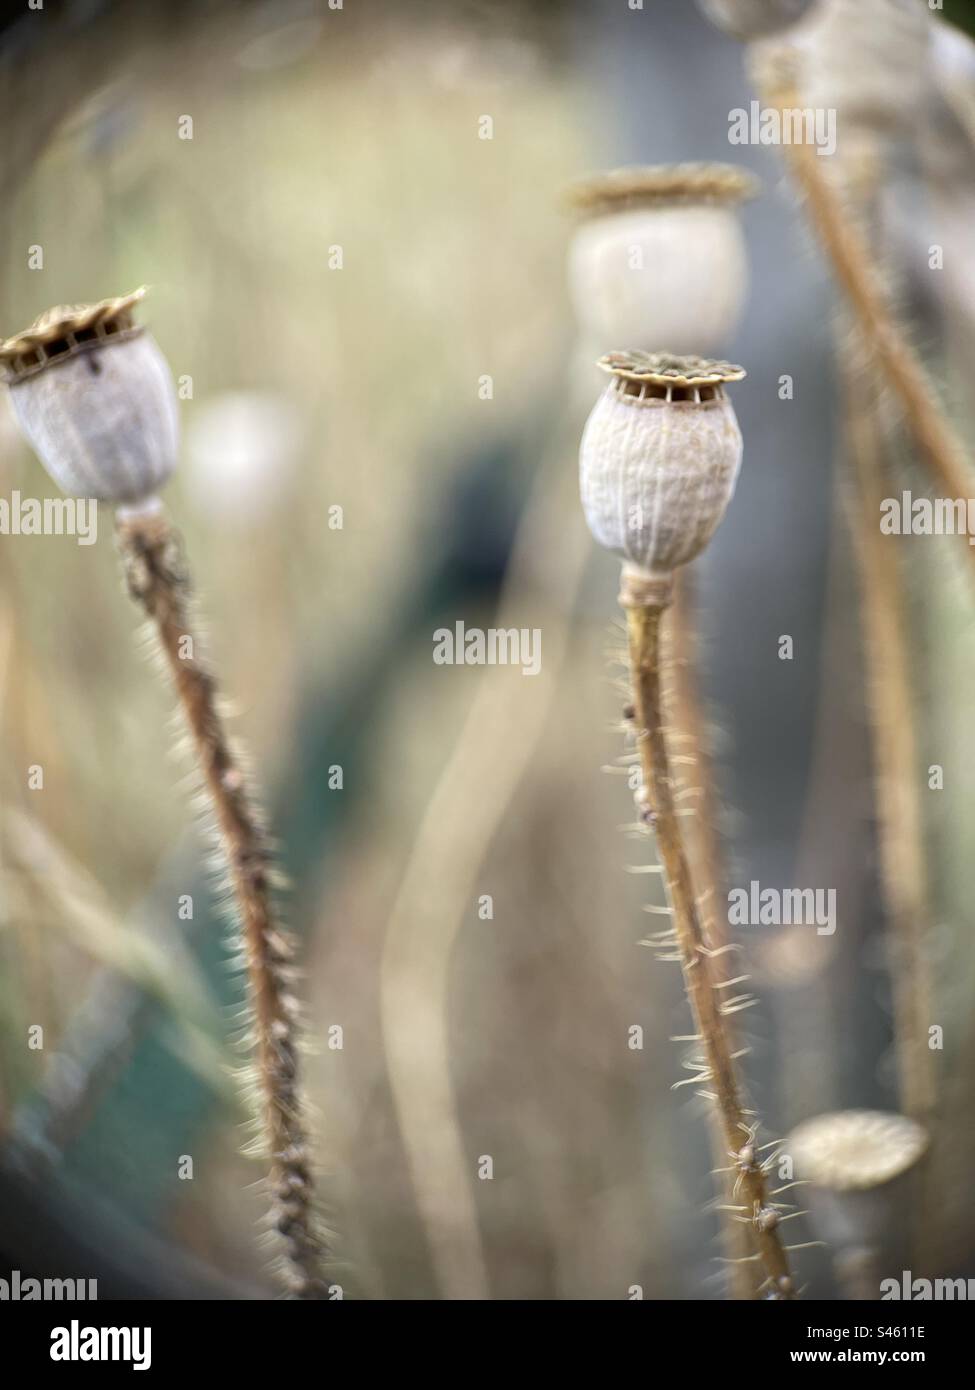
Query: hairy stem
[(158, 582), (701, 979), (711, 880), (939, 444)]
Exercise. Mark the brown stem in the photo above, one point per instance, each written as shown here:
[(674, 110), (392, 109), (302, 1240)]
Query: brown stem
[(700, 977), (689, 716), (158, 581), (939, 443), (711, 880)]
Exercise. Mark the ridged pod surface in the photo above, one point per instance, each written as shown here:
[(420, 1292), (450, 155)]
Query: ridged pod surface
[(94, 396), (659, 458)]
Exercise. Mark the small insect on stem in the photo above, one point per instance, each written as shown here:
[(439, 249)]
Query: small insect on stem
[(767, 1218)]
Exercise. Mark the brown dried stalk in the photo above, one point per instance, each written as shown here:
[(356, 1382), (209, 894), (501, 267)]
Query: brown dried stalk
[(157, 580), (710, 877), (701, 979), (940, 446)]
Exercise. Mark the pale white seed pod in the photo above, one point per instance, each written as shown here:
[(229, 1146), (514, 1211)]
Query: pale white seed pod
[(94, 397), (868, 61), (952, 55), (660, 256), (659, 458), (754, 19), (860, 1167), (241, 454)]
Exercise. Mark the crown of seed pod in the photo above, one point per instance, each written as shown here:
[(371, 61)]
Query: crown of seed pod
[(859, 1165), (753, 19), (659, 458), (659, 256), (94, 396)]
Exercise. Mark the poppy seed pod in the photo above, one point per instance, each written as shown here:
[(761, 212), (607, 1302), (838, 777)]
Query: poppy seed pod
[(94, 397), (659, 458), (868, 61), (754, 19), (860, 1166), (659, 256)]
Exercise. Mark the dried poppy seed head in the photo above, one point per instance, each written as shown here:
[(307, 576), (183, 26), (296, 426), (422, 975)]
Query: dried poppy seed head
[(668, 370), (860, 1165), (852, 1150), (868, 61), (659, 255), (94, 396), (752, 19), (659, 458), (65, 331)]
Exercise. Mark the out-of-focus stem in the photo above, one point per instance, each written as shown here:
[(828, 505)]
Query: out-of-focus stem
[(940, 446), (505, 722), (895, 753), (158, 582), (710, 878)]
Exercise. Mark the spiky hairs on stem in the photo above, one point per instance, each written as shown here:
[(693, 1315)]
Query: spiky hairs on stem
[(882, 338), (658, 462), (158, 581), (701, 981), (710, 882)]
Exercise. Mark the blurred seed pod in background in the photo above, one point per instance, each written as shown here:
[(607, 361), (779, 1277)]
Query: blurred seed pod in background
[(952, 56), (659, 257), (866, 59), (861, 1167), (660, 457), (94, 396), (242, 450), (753, 19)]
